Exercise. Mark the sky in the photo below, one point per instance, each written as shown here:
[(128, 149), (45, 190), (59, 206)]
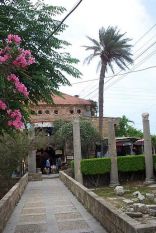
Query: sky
[(130, 94)]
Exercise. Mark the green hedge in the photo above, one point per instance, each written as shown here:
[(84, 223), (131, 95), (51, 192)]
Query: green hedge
[(131, 163), (95, 166)]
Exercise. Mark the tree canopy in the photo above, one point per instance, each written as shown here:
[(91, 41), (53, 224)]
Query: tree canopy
[(64, 133), (113, 48), (126, 129), (34, 23)]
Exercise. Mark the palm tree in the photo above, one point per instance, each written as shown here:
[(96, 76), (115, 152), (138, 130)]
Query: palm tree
[(112, 48)]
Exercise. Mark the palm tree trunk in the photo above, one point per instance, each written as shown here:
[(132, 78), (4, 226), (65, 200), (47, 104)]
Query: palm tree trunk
[(101, 97), (101, 101)]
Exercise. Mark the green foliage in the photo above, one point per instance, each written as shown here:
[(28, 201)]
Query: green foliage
[(125, 129), (103, 165), (131, 163), (154, 162), (15, 147), (34, 22), (64, 133), (93, 108), (72, 165), (95, 166), (153, 139)]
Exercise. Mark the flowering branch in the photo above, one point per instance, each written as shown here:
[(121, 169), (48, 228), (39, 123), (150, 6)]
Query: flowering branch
[(13, 58)]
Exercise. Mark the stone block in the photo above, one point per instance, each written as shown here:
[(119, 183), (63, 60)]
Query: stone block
[(150, 196), (27, 219), (35, 176), (153, 212), (141, 208), (72, 225), (127, 201), (134, 214), (31, 228), (68, 216)]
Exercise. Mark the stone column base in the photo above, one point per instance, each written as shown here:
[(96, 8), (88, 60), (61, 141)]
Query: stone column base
[(35, 176), (113, 185), (149, 181)]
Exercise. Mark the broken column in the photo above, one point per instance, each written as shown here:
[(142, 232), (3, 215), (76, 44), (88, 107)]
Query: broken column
[(147, 149), (114, 181), (77, 150)]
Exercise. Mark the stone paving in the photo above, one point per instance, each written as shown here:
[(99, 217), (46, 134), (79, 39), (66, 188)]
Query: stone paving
[(49, 207)]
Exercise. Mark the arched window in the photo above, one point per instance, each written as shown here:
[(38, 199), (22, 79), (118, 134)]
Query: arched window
[(39, 111), (56, 112), (47, 112), (79, 111)]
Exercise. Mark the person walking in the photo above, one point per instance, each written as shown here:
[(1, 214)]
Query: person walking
[(48, 166)]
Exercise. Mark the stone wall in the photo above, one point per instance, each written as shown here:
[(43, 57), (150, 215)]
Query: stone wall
[(63, 112), (9, 201), (113, 220), (95, 122)]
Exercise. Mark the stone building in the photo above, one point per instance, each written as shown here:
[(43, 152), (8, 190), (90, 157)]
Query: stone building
[(64, 107)]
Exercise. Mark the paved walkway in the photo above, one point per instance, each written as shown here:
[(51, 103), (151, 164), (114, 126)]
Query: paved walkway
[(49, 207)]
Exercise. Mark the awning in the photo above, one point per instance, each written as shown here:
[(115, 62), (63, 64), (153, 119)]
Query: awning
[(43, 124), (139, 142), (124, 144)]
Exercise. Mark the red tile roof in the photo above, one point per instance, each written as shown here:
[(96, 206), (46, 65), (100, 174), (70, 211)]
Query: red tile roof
[(68, 100)]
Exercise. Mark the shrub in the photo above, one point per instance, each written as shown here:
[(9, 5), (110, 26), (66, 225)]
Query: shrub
[(72, 165), (131, 163), (103, 165), (95, 166), (154, 162)]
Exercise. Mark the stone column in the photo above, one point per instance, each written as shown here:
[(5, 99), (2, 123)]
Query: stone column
[(32, 156), (147, 149), (77, 150), (114, 181), (32, 162)]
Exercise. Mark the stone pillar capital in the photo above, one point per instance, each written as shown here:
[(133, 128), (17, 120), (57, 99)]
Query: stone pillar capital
[(145, 116), (76, 118)]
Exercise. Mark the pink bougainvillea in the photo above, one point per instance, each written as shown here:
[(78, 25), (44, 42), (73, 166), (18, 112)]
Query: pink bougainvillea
[(15, 57), (2, 105), (19, 86), (24, 59), (14, 38), (4, 58), (16, 118)]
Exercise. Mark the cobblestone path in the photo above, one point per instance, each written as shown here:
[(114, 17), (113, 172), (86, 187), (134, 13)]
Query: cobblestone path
[(49, 207)]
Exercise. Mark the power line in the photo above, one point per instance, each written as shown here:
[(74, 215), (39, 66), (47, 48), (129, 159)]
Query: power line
[(125, 74), (146, 50), (139, 64), (145, 44), (144, 34), (91, 92), (112, 76), (134, 53), (56, 29)]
